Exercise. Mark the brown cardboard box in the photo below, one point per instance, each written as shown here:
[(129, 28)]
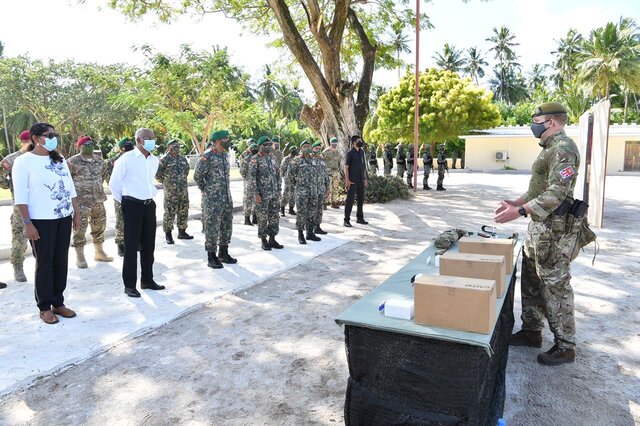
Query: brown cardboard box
[(465, 304), (495, 246), (482, 266)]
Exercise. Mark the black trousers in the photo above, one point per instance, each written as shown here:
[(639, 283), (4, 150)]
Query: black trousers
[(355, 191), (51, 252), (139, 233)]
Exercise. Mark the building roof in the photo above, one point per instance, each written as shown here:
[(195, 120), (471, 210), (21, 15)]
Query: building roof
[(510, 131)]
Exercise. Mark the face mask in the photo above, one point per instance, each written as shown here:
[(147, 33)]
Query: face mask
[(254, 151), (266, 149), (316, 152), (87, 149), (359, 144), (306, 151), (50, 144), (538, 129), (149, 145), (127, 147), (226, 144)]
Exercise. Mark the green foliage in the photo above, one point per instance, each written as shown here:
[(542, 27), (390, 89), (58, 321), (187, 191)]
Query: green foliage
[(449, 106), (382, 189), (516, 115)]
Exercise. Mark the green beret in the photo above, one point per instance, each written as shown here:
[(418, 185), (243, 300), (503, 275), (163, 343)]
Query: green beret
[(304, 142), (174, 142), (275, 139), (316, 144), (123, 141), (549, 108), (253, 145), (220, 134), (333, 140), (263, 139)]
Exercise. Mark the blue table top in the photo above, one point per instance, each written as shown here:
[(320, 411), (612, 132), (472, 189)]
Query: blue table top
[(365, 313)]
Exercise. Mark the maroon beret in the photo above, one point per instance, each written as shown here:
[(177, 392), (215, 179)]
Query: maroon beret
[(25, 136), (82, 140)]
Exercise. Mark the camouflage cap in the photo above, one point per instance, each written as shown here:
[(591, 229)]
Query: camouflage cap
[(220, 134), (333, 140), (263, 139), (549, 108)]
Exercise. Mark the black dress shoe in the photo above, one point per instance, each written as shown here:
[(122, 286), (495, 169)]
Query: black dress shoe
[(152, 286), (347, 223), (131, 292), (362, 222)]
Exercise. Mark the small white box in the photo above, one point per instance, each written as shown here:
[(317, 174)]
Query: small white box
[(399, 308)]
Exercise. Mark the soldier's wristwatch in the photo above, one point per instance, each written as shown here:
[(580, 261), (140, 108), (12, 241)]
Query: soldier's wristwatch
[(26, 221), (522, 211)]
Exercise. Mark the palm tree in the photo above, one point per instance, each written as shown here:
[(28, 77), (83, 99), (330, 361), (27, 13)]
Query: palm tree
[(450, 59), (567, 56), (1, 49), (536, 76), (400, 43), (610, 56), (268, 86), (503, 43), (509, 86), (505, 72), (475, 62), (287, 102)]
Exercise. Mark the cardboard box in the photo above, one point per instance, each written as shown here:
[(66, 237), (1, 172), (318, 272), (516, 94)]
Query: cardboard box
[(465, 304), (482, 266), (495, 246)]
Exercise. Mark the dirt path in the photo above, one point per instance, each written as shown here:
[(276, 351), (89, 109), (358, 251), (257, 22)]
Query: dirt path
[(272, 354)]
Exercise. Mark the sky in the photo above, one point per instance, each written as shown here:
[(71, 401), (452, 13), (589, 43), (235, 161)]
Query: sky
[(91, 32)]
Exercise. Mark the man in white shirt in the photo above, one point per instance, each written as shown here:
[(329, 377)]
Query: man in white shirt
[(132, 185)]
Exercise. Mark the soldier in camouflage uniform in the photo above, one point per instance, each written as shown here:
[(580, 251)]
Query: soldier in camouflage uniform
[(302, 174), (18, 239), (172, 173), (401, 161), (276, 152), (125, 145), (247, 200), (427, 161), (212, 177), (264, 183), (332, 159), (87, 172), (387, 159), (373, 160), (442, 166), (410, 164), (289, 194), (323, 181), (552, 238)]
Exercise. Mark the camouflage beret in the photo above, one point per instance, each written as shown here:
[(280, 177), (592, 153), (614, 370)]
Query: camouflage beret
[(263, 139), (304, 142), (316, 144), (549, 108), (275, 139), (333, 140), (124, 141), (220, 134)]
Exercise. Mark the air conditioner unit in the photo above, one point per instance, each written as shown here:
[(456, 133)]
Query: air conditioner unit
[(501, 156)]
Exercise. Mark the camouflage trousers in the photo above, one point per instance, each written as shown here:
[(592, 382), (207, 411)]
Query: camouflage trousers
[(307, 208), (440, 175), (18, 239), (319, 210), (217, 223), (289, 194), (410, 174), (387, 169), (334, 187), (401, 169), (373, 169), (119, 223), (176, 207), (545, 283), (425, 177), (268, 217), (94, 216), (247, 200)]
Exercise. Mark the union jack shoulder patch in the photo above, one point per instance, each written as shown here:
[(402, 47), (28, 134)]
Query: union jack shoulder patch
[(567, 172)]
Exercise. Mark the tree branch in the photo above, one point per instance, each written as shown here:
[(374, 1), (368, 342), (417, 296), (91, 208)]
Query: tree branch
[(368, 65), (340, 15)]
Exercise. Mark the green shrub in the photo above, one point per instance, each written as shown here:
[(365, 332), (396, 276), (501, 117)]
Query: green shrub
[(381, 189)]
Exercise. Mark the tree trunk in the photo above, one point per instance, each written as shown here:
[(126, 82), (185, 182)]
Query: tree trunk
[(626, 103)]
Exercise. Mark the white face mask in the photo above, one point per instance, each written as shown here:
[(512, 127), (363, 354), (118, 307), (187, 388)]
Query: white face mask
[(149, 145)]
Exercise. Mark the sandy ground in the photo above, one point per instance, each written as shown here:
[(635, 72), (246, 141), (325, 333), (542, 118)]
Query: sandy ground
[(272, 354)]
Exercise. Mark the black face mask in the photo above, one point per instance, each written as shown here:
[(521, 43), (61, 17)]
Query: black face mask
[(128, 146), (538, 129), (359, 144), (254, 151)]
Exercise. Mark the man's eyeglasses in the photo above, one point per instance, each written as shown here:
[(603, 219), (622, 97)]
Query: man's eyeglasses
[(50, 135)]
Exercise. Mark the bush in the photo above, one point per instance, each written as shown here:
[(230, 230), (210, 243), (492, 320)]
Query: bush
[(382, 189)]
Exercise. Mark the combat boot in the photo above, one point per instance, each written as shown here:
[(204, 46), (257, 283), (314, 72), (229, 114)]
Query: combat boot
[(100, 255), (428, 188), (440, 188), (168, 238), (182, 235), (81, 262), (291, 212), (335, 206), (18, 273), (121, 250), (312, 237), (282, 211), (254, 218), (273, 243), (223, 255), (247, 220), (212, 260), (532, 338), (557, 356), (319, 230), (265, 244), (301, 239)]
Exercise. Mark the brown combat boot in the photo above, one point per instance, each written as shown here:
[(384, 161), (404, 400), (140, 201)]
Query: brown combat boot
[(18, 273), (81, 262), (557, 356), (100, 255), (531, 338)]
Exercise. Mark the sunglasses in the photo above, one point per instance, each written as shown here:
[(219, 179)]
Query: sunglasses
[(50, 135)]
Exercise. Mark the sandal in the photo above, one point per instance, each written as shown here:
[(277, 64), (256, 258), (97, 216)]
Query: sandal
[(48, 317)]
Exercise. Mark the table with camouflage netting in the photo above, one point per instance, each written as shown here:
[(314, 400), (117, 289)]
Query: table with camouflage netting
[(404, 373)]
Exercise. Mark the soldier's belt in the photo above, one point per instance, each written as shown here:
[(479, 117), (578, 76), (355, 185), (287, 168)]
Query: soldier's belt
[(136, 200)]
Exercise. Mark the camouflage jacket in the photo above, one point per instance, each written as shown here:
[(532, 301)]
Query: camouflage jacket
[(322, 174), (387, 157), (284, 167), (5, 170), (554, 175), (264, 176), (108, 169), (401, 157), (302, 174), (442, 160), (212, 177), (172, 173), (278, 156), (245, 158), (332, 158), (427, 160), (88, 176)]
